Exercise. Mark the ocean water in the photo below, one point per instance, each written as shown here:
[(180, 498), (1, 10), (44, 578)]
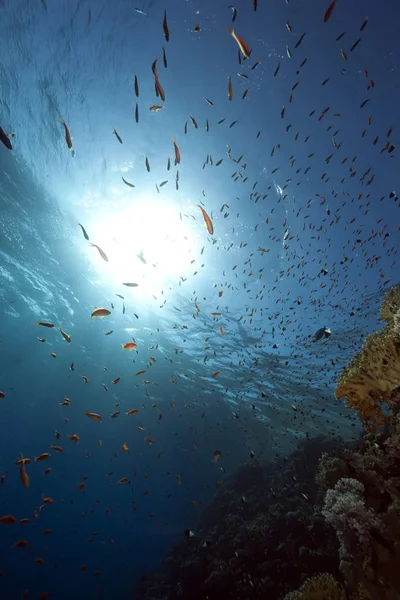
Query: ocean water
[(305, 235)]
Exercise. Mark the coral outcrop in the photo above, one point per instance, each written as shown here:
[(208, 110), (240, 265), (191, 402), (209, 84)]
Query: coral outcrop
[(373, 376), (278, 526), (259, 538), (320, 587), (363, 506)]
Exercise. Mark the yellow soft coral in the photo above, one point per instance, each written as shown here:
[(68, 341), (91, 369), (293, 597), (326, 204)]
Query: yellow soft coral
[(390, 305), (373, 375), (320, 587)]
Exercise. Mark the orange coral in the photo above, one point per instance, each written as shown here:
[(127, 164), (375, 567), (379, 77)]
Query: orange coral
[(373, 375), (390, 305)]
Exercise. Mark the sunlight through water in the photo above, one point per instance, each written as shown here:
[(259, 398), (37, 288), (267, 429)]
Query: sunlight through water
[(147, 244)]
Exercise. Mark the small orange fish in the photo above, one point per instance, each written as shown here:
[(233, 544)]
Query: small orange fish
[(68, 137), (100, 251), (165, 27), (207, 220), (159, 89), (177, 153), (57, 448), (115, 381), (230, 90), (22, 461), (216, 456), (156, 108), (149, 441), (2, 395), (22, 473), (123, 480), (128, 346), (125, 447), (329, 11), (7, 520), (66, 337), (214, 375), (39, 560), (244, 49), (93, 416), (20, 544), (222, 330), (141, 372), (154, 68), (100, 312), (74, 437), (42, 456), (133, 411)]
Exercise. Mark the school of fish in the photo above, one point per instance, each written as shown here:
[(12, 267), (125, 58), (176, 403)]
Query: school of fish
[(211, 228)]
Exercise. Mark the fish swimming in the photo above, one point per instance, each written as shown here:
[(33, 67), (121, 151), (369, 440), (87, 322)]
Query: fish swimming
[(322, 333), (5, 138), (141, 257)]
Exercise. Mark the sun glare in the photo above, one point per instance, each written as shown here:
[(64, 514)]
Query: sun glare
[(149, 245)]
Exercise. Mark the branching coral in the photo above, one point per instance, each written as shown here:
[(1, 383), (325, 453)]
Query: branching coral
[(321, 587), (373, 375), (363, 506), (355, 523)]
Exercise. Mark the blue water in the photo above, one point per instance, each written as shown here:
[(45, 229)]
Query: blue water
[(292, 251)]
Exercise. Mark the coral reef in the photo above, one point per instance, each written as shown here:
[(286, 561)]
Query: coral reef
[(320, 587), (259, 538), (355, 523), (390, 305), (326, 587), (276, 527), (373, 375), (363, 506), (270, 528)]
